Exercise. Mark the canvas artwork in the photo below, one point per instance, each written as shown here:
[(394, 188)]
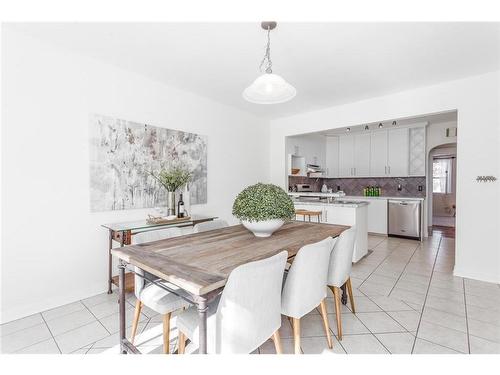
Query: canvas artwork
[(122, 155)]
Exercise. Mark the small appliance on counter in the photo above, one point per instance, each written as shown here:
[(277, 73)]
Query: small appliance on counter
[(302, 188), (314, 170)]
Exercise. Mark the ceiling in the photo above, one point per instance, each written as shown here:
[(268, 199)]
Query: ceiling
[(328, 63)]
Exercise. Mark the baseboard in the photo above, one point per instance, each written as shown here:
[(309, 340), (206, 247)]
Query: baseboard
[(476, 276)]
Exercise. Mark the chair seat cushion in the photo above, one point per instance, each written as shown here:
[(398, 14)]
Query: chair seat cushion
[(188, 323), (161, 300)]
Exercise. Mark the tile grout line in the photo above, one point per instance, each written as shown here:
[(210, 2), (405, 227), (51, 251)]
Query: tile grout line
[(466, 317), (404, 268), (373, 271), (98, 319), (425, 299), (51, 334), (387, 313), (443, 346), (376, 338)]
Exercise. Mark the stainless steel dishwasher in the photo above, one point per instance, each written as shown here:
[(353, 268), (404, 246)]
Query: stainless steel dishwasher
[(404, 218)]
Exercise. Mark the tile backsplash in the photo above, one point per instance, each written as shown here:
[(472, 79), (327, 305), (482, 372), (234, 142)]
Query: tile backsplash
[(355, 186)]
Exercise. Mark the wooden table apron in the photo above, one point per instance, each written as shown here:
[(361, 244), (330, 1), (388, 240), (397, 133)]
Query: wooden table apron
[(199, 264)]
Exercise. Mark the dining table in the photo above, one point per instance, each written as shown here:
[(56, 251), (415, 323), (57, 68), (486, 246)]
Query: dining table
[(199, 264), (122, 233)]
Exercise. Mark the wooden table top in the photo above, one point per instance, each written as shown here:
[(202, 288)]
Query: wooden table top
[(200, 263)]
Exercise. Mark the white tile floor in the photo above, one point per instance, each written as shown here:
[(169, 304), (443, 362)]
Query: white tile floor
[(407, 301)]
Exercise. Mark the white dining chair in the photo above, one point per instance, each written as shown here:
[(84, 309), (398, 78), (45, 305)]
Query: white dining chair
[(340, 270), (304, 288), (153, 296), (209, 225), (246, 314)]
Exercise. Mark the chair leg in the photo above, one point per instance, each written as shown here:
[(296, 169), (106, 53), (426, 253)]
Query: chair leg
[(182, 343), (296, 335), (324, 315), (338, 310), (277, 342), (351, 297), (166, 333), (135, 323)]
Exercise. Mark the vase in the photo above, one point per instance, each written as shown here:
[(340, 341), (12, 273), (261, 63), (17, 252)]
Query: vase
[(263, 228), (171, 203)]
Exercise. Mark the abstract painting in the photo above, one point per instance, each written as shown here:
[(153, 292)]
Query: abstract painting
[(124, 153)]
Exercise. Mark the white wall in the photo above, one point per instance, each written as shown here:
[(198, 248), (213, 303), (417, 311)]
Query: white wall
[(477, 100), (53, 249)]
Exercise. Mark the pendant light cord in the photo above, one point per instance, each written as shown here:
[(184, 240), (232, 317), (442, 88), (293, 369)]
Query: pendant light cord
[(267, 55)]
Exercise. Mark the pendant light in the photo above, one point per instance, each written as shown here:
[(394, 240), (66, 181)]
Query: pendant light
[(269, 88)]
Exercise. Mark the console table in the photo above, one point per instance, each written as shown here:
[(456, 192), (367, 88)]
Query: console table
[(123, 232)]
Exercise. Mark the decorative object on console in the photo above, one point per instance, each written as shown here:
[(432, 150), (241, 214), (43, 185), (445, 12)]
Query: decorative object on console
[(166, 220), (263, 208), (123, 152), (172, 179)]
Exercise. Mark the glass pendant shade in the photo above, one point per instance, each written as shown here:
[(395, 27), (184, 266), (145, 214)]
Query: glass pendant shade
[(269, 88)]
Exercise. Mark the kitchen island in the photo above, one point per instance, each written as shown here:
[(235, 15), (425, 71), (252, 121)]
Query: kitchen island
[(343, 212)]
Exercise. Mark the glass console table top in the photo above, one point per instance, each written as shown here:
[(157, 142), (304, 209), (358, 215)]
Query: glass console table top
[(142, 224)]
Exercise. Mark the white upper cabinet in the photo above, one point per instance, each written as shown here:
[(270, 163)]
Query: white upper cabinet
[(378, 154), (397, 152), (346, 156), (332, 157), (417, 151), (362, 155)]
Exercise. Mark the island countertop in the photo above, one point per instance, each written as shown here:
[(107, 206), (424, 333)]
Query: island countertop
[(335, 203)]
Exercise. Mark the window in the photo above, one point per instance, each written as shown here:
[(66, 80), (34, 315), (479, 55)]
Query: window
[(441, 175)]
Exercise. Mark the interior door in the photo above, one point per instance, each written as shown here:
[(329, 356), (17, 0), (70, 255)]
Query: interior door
[(346, 156), (397, 152), (378, 154), (362, 155)]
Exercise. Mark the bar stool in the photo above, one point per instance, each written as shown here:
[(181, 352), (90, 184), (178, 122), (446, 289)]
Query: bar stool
[(304, 213)]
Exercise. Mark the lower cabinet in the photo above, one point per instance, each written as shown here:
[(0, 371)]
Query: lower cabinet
[(337, 214), (377, 214)]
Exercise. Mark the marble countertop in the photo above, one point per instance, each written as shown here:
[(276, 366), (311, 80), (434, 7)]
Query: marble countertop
[(347, 197), (338, 203)]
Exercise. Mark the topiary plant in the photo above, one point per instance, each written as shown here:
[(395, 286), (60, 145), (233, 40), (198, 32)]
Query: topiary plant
[(261, 202)]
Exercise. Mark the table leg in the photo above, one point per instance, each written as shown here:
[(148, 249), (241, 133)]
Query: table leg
[(202, 315), (110, 262), (344, 294), (121, 278)]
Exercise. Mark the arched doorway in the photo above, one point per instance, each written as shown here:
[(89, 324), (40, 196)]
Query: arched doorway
[(442, 164)]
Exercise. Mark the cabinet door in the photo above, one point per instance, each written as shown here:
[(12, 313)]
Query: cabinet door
[(378, 154), (332, 156), (397, 152), (417, 151), (346, 155), (362, 155)]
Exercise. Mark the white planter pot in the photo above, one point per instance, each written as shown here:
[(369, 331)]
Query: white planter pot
[(263, 228)]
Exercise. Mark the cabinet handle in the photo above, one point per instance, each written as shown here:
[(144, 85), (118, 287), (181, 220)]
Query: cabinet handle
[(385, 168), (389, 168), (354, 171)]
